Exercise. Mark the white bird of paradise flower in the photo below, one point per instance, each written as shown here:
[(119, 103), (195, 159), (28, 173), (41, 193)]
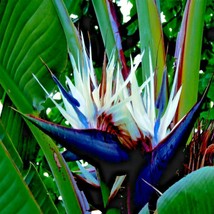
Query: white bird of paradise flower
[(111, 118), (115, 105)]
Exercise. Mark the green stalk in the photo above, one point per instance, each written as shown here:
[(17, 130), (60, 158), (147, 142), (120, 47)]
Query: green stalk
[(59, 169), (191, 54), (107, 33), (70, 30), (151, 38)]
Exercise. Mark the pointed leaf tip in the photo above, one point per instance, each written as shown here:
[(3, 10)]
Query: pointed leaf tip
[(67, 95)]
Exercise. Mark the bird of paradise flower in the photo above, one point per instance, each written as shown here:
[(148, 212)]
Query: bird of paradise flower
[(112, 118)]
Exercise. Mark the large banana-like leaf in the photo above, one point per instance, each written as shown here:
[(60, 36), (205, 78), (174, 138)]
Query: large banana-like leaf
[(192, 194), (15, 196), (28, 31), (101, 10)]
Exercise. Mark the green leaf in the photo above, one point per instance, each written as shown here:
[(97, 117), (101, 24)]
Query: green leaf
[(7, 141), (30, 30), (70, 30), (18, 140), (101, 10), (190, 43), (109, 28), (64, 179), (74, 6), (105, 196), (145, 209), (15, 196), (39, 191), (191, 195), (151, 38)]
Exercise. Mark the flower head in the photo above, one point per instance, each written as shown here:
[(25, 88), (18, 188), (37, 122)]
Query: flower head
[(120, 107), (111, 118)]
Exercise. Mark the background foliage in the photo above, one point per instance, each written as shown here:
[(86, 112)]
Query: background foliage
[(85, 20)]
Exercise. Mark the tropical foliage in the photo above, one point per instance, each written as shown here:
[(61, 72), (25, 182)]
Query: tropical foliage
[(128, 120)]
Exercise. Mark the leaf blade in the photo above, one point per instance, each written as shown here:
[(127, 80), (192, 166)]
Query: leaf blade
[(12, 185), (190, 43), (151, 38), (39, 190), (191, 191)]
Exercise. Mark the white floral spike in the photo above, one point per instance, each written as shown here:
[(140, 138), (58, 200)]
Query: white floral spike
[(172, 105), (169, 115), (118, 106), (152, 92)]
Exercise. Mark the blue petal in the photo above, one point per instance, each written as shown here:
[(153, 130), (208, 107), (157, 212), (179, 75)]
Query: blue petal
[(160, 105), (90, 144), (67, 95), (161, 100), (75, 104)]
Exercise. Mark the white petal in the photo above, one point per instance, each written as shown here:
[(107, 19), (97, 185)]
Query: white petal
[(169, 115)]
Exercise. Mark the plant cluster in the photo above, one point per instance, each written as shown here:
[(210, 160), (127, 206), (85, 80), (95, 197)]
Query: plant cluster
[(86, 127)]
